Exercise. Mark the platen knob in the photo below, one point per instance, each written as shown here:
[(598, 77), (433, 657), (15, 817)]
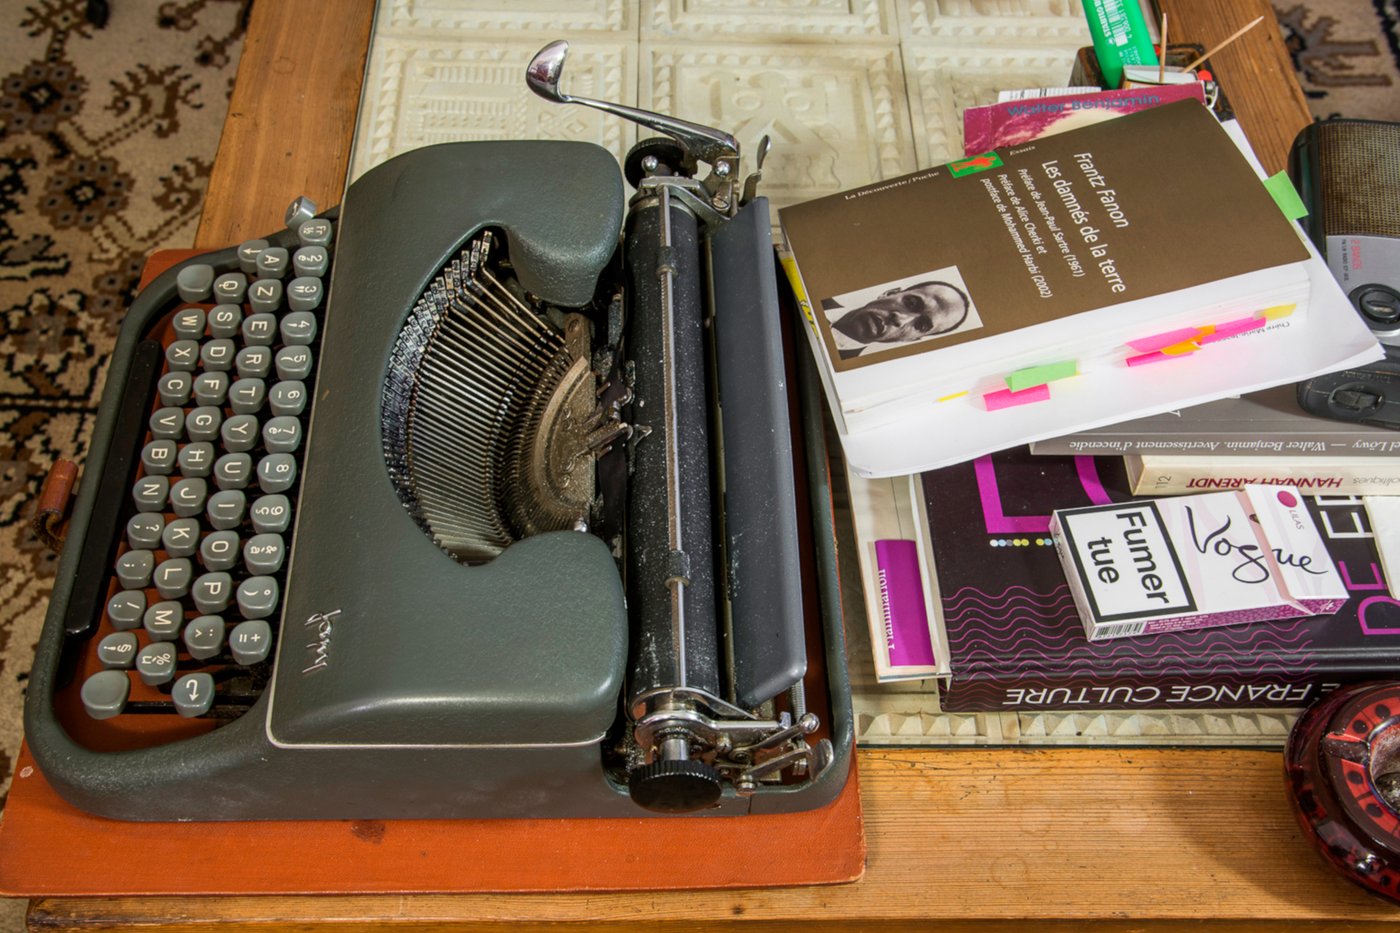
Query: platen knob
[(675, 786)]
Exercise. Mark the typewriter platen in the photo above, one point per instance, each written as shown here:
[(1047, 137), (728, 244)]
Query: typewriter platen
[(506, 524)]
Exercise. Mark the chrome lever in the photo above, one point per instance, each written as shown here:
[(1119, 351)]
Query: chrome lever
[(704, 143)]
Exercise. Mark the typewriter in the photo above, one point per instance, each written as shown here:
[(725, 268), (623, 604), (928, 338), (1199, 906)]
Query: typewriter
[(501, 516)]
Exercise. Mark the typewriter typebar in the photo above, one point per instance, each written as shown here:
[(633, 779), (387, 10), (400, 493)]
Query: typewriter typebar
[(477, 496)]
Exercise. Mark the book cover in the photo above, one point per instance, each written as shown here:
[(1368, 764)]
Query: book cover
[(991, 246), (1015, 639), (1176, 474), (1011, 123), (1267, 423)]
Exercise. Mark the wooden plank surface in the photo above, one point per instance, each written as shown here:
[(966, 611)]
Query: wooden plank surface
[(291, 116), (966, 839)]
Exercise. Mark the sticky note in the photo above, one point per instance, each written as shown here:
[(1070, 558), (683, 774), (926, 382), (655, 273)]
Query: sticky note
[(1005, 398), (1231, 328), (1023, 379), (1158, 341), (949, 398), (1277, 312), (1281, 189)]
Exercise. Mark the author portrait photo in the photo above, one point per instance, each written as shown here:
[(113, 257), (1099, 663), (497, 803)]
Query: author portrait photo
[(908, 311)]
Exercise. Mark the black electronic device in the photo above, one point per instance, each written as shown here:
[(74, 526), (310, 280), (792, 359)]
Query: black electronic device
[(1348, 174), (507, 519)]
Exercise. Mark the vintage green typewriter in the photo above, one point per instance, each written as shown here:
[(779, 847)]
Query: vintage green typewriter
[(502, 517)]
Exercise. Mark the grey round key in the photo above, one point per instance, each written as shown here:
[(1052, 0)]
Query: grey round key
[(188, 323), (277, 472), (168, 423), (299, 211), (315, 232), (260, 330), (211, 388), (158, 457), (219, 550), (172, 577), (218, 355), (181, 537), (304, 294), (187, 497), (282, 435), (248, 255), (126, 609), (311, 260), (263, 554), (104, 694), (224, 322), (134, 569), (294, 362), (287, 397), (118, 651), (254, 362), (155, 663), (246, 396), (271, 514), (257, 597), (150, 493), (182, 355), (240, 432), (230, 287), (250, 641), (194, 281), (163, 620), (202, 423), (226, 508), (233, 471), (174, 388), (273, 262), (193, 694), (299, 328), (197, 459), (211, 592), (265, 295), (143, 530), (204, 637)]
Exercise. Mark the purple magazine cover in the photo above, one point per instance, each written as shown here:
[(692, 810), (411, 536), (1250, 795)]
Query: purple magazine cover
[(1015, 640)]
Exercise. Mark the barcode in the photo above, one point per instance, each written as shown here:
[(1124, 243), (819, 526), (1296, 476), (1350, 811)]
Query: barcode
[(1121, 630)]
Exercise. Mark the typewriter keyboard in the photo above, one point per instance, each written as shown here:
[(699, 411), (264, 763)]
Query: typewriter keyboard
[(193, 602)]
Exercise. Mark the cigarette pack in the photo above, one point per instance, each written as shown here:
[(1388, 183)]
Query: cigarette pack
[(1191, 562)]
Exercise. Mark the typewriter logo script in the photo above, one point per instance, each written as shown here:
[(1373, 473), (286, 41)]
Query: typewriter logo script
[(320, 624)]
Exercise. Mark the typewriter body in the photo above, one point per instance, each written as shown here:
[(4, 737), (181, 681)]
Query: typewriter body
[(518, 530)]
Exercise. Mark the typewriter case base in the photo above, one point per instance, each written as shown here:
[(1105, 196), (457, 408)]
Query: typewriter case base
[(421, 760)]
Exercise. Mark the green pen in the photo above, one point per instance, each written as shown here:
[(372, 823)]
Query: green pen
[(1120, 37)]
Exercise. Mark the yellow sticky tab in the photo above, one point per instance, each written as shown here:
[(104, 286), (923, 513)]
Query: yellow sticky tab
[(1033, 376), (790, 269), (1281, 189), (1181, 349), (1277, 312), (949, 398)]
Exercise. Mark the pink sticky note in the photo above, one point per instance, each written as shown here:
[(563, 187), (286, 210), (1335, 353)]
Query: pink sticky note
[(1005, 398), (1158, 341), (1230, 328)]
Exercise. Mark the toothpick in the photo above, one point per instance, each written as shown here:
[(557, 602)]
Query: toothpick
[(1238, 32), (1162, 65)]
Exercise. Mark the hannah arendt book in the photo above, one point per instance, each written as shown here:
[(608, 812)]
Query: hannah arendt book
[(1015, 639)]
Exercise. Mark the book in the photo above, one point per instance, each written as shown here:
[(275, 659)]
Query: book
[(1268, 423), (1015, 641), (1011, 123), (1174, 474), (1065, 269)]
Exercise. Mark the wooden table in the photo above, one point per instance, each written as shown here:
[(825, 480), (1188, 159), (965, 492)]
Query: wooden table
[(958, 839)]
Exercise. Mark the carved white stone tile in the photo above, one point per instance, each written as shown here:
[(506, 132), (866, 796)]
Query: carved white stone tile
[(558, 18), (770, 20), (418, 93), (944, 80), (837, 115), (996, 22)]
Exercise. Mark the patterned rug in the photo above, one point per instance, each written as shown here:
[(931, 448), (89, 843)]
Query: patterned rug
[(106, 140)]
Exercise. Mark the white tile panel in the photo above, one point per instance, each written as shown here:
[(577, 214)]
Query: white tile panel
[(548, 18), (771, 20)]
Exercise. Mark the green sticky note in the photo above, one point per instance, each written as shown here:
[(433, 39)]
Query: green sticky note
[(1281, 189), (1033, 376)]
